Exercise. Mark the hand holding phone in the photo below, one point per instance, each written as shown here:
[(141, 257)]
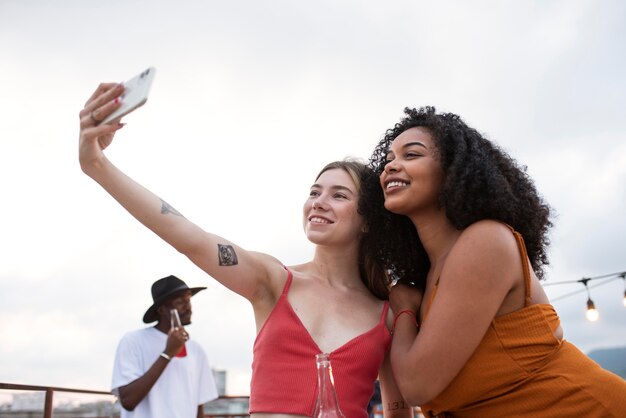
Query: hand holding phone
[(135, 95)]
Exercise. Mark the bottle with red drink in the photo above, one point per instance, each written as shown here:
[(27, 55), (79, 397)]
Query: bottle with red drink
[(175, 323)]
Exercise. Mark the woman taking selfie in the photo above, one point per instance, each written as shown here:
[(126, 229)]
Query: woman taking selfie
[(332, 304)]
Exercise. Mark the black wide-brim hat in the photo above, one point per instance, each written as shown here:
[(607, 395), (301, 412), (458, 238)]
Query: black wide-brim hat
[(161, 290)]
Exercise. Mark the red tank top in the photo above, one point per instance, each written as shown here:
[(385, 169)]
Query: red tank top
[(284, 374)]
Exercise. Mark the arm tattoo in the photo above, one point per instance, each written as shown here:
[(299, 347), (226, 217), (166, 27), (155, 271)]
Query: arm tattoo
[(167, 208), (226, 255), (393, 406)]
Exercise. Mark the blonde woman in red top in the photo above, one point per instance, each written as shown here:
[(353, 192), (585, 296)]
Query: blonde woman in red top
[(331, 304)]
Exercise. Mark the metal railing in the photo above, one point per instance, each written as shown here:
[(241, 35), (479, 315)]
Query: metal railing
[(49, 391)]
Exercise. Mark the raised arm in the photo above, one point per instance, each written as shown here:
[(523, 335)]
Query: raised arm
[(246, 273)]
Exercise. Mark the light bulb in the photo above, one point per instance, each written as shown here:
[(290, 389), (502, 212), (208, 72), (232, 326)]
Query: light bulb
[(624, 300), (592, 313)]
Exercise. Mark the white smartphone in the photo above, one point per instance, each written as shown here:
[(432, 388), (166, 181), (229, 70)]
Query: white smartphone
[(135, 94)]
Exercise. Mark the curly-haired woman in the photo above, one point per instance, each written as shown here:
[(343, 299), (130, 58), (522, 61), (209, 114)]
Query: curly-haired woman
[(485, 342)]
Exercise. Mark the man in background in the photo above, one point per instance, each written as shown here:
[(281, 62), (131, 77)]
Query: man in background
[(158, 371)]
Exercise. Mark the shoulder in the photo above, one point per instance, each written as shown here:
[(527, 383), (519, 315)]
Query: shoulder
[(271, 276), (131, 343), (487, 248), (488, 226), (486, 235), (272, 273), (137, 336), (266, 265), (300, 272), (271, 266)]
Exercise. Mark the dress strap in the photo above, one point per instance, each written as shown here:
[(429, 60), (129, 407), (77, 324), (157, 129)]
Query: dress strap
[(288, 282), (524, 255)]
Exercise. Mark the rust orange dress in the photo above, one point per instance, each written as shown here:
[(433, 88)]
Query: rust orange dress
[(520, 369)]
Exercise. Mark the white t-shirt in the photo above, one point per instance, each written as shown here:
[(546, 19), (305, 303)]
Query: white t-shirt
[(185, 383)]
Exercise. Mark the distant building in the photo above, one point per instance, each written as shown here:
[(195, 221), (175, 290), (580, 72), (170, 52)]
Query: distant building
[(220, 381), (29, 401), (233, 405)]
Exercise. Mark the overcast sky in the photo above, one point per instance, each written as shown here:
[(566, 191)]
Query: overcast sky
[(250, 100)]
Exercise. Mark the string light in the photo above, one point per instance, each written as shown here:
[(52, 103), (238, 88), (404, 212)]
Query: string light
[(592, 313), (623, 276)]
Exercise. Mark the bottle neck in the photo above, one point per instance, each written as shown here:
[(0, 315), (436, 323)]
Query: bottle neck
[(327, 404)]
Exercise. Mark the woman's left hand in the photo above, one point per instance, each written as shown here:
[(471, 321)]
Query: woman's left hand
[(405, 297)]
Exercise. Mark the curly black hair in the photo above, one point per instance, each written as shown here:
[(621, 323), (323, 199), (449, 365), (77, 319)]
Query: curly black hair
[(481, 181)]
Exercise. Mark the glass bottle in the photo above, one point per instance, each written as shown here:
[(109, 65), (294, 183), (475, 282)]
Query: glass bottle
[(175, 323), (327, 404)]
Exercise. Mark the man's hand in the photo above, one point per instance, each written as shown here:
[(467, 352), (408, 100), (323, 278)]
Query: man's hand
[(176, 338)]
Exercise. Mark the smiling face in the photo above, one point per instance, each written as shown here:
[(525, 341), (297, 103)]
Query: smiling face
[(412, 178), (330, 212)]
